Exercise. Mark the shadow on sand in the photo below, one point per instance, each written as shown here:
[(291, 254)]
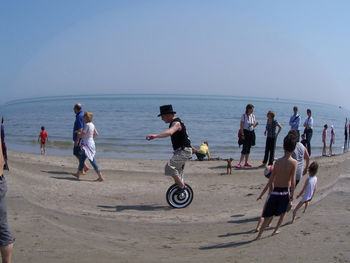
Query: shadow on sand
[(227, 245), (120, 208), (57, 172), (243, 221)]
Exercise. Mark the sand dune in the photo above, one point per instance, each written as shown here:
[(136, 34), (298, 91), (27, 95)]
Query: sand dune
[(56, 218)]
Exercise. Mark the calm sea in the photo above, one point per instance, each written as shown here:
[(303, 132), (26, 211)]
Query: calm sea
[(123, 122)]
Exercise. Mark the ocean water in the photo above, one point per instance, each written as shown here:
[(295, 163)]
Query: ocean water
[(123, 121)]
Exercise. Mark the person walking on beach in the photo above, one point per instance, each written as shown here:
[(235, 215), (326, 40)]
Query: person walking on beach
[(271, 138), (346, 136), (308, 190), (302, 157), (294, 121), (282, 182), (78, 128), (180, 142), (6, 238), (43, 137), (247, 134), (308, 124), (331, 142), (324, 140), (3, 144), (88, 148)]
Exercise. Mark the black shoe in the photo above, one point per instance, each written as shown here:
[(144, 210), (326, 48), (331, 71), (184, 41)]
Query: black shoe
[(6, 167)]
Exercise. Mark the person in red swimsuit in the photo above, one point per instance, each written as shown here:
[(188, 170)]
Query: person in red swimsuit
[(43, 137)]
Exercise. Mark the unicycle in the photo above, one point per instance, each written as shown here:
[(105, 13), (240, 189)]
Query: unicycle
[(178, 198)]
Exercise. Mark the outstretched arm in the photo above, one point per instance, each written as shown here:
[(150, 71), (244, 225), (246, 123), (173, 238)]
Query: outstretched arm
[(279, 129), (174, 128), (307, 161), (269, 185)]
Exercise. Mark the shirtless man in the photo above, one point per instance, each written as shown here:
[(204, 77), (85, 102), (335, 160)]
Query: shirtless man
[(282, 181)]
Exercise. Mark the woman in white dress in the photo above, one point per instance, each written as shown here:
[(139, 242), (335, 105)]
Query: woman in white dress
[(88, 146)]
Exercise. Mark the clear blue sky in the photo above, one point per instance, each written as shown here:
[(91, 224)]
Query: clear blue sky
[(285, 49)]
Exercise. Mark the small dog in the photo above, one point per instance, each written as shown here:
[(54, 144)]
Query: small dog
[(229, 166)]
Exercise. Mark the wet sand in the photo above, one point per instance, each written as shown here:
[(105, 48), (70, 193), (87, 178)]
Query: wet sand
[(56, 218)]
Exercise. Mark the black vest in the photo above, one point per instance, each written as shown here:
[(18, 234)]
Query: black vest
[(180, 138)]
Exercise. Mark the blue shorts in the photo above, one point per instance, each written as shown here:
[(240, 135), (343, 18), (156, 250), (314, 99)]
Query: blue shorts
[(6, 237)]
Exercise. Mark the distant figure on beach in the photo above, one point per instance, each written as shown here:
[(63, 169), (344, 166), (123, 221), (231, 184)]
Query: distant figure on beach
[(43, 138), (324, 140), (331, 142), (282, 182), (88, 148), (308, 124), (180, 141), (308, 190), (247, 134), (6, 238), (302, 157), (271, 138), (3, 144), (346, 135), (78, 128), (203, 151), (294, 121)]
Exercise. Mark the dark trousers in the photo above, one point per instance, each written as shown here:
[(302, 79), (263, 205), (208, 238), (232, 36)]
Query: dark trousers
[(269, 150), (308, 135), (200, 156)]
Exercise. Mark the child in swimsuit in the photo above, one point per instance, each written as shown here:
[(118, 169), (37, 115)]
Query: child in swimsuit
[(43, 137), (308, 190), (324, 138), (331, 141)]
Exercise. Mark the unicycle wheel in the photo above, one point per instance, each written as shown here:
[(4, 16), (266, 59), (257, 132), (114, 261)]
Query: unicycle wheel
[(177, 198)]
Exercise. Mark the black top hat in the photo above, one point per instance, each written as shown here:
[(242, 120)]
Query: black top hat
[(165, 109)]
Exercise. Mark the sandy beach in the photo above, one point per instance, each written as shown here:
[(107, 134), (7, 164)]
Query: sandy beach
[(56, 218)]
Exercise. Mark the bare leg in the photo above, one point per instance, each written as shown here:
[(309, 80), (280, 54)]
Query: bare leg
[(6, 253), (306, 204), (241, 159), (279, 223), (179, 182), (266, 221), (300, 204), (100, 178), (246, 157), (85, 169), (261, 220)]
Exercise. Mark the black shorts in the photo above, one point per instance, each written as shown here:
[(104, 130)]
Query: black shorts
[(278, 202)]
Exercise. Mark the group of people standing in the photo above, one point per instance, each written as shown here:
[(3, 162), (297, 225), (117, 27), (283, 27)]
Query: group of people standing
[(247, 136)]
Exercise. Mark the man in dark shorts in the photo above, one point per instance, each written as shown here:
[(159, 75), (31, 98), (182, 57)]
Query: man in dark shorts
[(78, 127), (6, 238), (180, 141), (283, 180)]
